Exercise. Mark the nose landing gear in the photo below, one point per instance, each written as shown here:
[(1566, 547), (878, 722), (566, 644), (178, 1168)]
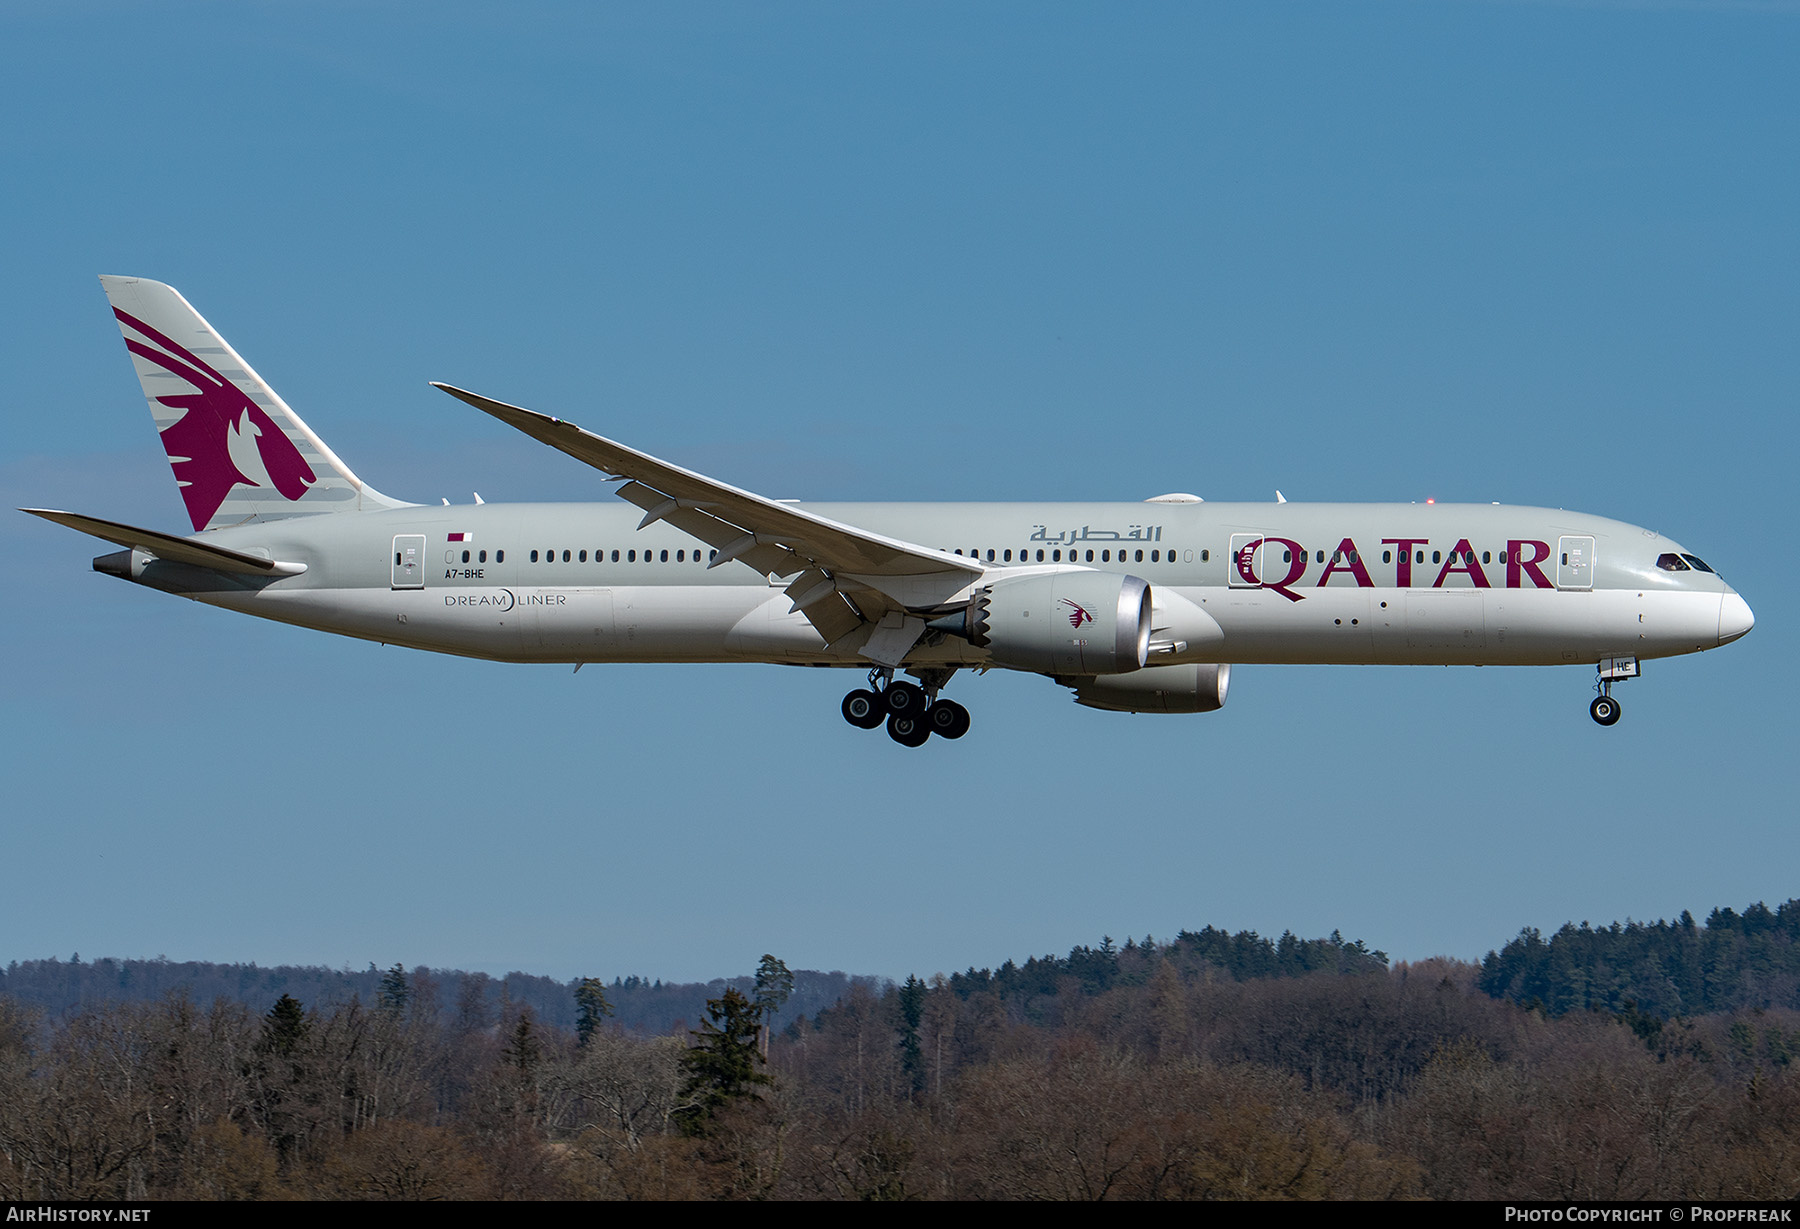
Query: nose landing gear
[(1605, 710), (912, 713)]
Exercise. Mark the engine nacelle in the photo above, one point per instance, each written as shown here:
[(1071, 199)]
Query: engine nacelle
[(1198, 688), (1061, 623)]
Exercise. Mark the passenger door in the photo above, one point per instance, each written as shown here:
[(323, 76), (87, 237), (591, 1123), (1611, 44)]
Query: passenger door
[(1575, 563), (409, 561)]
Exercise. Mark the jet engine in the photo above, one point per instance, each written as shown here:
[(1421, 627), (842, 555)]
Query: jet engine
[(1062, 623), (1198, 688)]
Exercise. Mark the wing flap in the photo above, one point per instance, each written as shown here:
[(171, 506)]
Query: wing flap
[(816, 596)]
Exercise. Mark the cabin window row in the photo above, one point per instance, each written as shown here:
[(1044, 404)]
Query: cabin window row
[(682, 555), (1669, 563), (1466, 558), (1337, 556), (1056, 556)]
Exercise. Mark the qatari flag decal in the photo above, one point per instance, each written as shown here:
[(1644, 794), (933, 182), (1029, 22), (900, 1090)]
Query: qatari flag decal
[(460, 537)]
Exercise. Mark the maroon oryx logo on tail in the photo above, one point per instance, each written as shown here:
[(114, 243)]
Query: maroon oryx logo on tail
[(200, 442), (1077, 614)]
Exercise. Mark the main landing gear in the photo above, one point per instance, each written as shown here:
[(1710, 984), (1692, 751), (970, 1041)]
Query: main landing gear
[(1605, 709), (912, 713)]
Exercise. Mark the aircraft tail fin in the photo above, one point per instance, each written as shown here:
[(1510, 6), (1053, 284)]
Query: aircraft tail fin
[(238, 452)]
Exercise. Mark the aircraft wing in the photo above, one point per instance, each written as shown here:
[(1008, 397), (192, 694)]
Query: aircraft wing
[(168, 546), (850, 578)]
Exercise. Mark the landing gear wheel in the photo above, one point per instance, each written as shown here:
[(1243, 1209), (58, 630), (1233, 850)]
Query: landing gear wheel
[(947, 719), (1605, 710), (908, 729), (864, 709), (905, 698)]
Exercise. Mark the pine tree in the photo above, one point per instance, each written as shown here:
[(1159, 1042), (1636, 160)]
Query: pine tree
[(912, 1013), (284, 1026), (723, 1062), (524, 1050), (773, 986), (394, 991), (591, 1007)]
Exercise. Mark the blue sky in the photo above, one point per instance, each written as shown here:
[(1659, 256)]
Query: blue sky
[(1534, 253)]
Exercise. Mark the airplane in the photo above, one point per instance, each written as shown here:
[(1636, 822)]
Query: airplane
[(1136, 607)]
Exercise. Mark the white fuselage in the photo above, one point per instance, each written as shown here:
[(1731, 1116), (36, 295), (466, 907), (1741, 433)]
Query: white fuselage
[(1319, 583)]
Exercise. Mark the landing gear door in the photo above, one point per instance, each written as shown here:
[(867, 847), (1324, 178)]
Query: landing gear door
[(1575, 563), (409, 561)]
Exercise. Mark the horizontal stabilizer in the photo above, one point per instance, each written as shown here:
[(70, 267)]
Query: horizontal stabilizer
[(168, 546)]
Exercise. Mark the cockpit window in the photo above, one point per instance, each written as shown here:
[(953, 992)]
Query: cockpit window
[(1697, 562), (1671, 563)]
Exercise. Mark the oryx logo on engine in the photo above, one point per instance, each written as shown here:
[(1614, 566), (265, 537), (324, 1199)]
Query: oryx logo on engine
[(1077, 614)]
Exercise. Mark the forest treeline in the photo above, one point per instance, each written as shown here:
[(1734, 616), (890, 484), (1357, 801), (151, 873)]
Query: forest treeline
[(1207, 1066), (641, 1005), (1662, 969)]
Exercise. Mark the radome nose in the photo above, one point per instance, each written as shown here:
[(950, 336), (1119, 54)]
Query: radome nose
[(1734, 618)]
